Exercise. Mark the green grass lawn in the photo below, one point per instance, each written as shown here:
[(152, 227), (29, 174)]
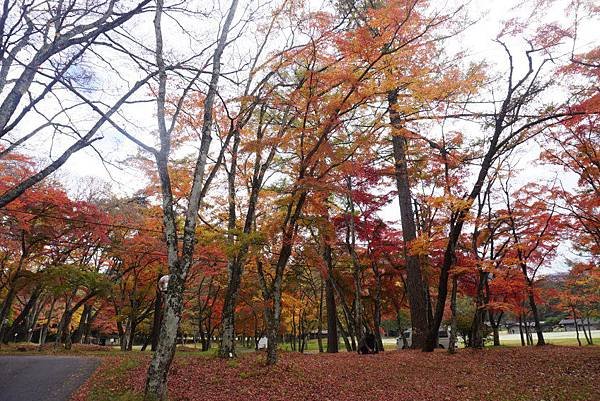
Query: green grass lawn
[(553, 341)]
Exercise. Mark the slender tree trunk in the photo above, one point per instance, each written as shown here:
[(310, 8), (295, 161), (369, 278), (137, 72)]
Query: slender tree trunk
[(585, 333), (349, 325), (521, 330), (156, 321), (576, 325), (208, 344), (345, 337), (320, 322), (533, 306), (415, 286), (453, 325), (131, 335), (12, 283), (377, 309), (4, 314), (302, 339), (31, 323), (44, 331), (18, 330), (234, 265), (496, 327), (357, 269), (332, 334), (293, 329), (88, 326), (179, 262)]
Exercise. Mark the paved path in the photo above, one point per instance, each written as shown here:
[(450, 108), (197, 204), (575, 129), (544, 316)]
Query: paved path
[(42, 378)]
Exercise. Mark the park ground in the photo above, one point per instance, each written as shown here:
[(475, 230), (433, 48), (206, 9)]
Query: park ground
[(550, 373), (558, 372)]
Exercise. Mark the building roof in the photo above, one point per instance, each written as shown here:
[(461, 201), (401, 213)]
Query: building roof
[(530, 324), (579, 321)]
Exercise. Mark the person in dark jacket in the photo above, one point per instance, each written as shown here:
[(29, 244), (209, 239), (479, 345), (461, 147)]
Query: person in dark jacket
[(367, 344)]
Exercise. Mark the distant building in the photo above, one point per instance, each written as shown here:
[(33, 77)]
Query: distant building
[(569, 324), (513, 327), (315, 334)]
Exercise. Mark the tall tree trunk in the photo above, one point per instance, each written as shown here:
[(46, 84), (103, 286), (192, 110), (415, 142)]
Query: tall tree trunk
[(227, 345), (377, 309), (495, 327), (272, 293), (453, 325), (521, 330), (31, 323), (65, 329), (576, 325), (44, 331), (83, 321), (415, 286), (302, 339), (494, 322), (156, 384), (18, 330), (345, 337), (293, 329), (273, 318), (88, 326), (234, 265), (4, 314), (585, 333), (320, 322), (156, 321), (131, 335), (534, 311), (179, 263), (332, 334), (357, 269), (476, 337), (349, 325), (591, 342)]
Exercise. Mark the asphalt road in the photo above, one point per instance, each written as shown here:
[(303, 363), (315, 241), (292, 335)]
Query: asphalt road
[(42, 378)]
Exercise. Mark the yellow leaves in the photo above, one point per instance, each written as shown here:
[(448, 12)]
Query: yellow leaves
[(77, 314), (449, 202), (437, 201), (420, 246)]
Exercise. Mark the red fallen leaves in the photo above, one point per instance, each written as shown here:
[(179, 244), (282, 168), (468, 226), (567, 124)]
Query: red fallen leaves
[(549, 373)]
